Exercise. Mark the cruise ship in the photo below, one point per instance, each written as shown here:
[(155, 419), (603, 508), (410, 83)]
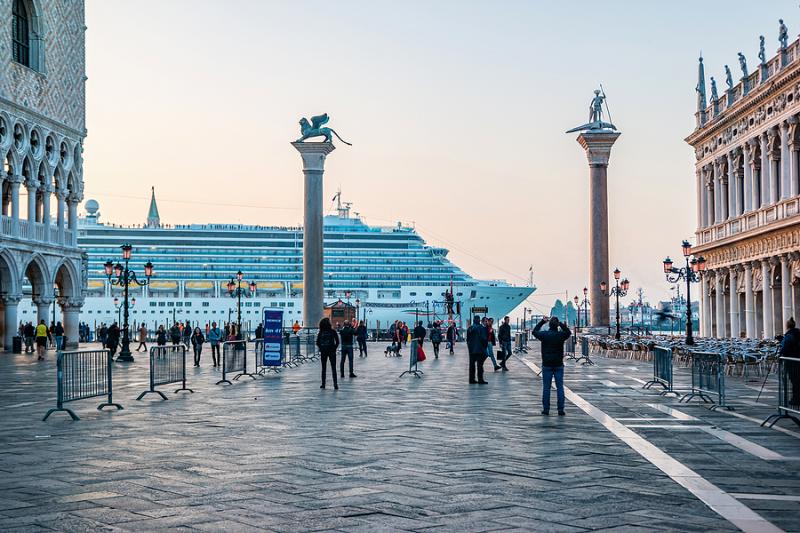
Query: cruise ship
[(389, 273)]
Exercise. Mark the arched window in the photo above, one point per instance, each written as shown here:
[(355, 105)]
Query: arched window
[(20, 34)]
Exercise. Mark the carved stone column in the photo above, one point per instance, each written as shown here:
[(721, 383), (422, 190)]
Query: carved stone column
[(719, 301), (710, 204), (731, 207), (71, 310), (749, 307), (15, 182), (786, 289), (47, 191), (774, 165), (786, 170), (10, 304), (700, 197), (733, 305), (749, 160), (719, 193), (794, 149), (61, 196), (766, 299), (43, 309), (738, 180), (32, 187), (72, 219), (765, 171), (708, 315)]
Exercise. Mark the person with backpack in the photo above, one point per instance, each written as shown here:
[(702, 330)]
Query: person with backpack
[(197, 341), (552, 360), (327, 342), (477, 341), (346, 335), (504, 336), (214, 339), (361, 337), (436, 339)]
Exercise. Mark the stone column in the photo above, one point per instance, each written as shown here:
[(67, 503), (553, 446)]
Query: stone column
[(786, 159), (731, 188), (765, 170), (700, 197), (15, 182), (32, 188), (597, 145), (72, 220), (61, 196), (313, 155), (718, 193), (749, 308), (702, 304), (719, 300), (794, 162), (748, 174), (71, 311), (11, 302), (738, 179), (46, 211), (710, 204), (708, 316), (706, 217), (786, 289), (43, 309), (766, 299), (733, 293)]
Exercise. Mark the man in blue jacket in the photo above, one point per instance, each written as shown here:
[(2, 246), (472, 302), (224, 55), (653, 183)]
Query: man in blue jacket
[(552, 360), (477, 341)]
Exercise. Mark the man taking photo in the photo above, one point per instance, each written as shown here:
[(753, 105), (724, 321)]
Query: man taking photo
[(552, 360)]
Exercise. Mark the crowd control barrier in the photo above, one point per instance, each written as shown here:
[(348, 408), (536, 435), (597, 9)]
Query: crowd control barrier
[(584, 359), (571, 348), (708, 378), (521, 342), (234, 359), (412, 361), (167, 365), (662, 370), (81, 375), (292, 356), (788, 392), (259, 367)]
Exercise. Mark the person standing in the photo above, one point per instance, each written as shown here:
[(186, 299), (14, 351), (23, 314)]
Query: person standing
[(790, 347), (347, 334), (489, 322), (41, 339), (552, 360), (451, 337), (296, 327), (327, 342), (161, 336), (58, 335), (259, 333), (187, 333), (142, 337), (102, 334), (29, 333), (504, 336), (175, 333), (214, 338), (436, 339), (197, 341), (112, 338), (419, 333), (477, 340), (397, 337), (361, 337)]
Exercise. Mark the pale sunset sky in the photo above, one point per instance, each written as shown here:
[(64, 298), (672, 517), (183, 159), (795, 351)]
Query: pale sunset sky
[(456, 111)]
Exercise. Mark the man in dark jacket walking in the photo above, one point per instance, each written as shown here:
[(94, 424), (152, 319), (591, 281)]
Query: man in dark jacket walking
[(419, 333), (790, 347), (552, 360), (504, 336), (347, 334), (361, 338), (477, 341)]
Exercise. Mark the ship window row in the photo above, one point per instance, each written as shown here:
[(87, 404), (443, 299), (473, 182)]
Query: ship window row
[(276, 244), (100, 234), (284, 263), (255, 252)]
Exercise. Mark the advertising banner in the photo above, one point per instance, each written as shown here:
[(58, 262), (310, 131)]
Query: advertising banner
[(273, 337)]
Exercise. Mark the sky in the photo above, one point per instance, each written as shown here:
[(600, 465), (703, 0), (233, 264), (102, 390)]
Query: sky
[(456, 111)]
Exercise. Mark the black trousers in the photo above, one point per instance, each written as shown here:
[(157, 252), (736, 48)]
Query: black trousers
[(347, 353), (362, 347), (142, 344), (215, 356), (324, 358), (436, 348), (476, 362), (197, 351)]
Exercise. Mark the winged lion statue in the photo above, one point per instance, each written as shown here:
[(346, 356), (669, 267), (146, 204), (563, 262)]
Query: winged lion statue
[(316, 129)]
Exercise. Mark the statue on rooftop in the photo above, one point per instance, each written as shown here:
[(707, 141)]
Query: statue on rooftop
[(743, 64), (762, 56), (316, 129), (728, 78), (714, 96), (783, 34)]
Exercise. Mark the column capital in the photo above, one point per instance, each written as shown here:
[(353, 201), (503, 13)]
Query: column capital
[(71, 303), (752, 141), (792, 119), (747, 266), (784, 127), (598, 146), (11, 299), (15, 179), (313, 154), (61, 194), (43, 300)]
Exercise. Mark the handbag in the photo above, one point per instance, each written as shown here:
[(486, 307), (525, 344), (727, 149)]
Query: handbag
[(420, 355)]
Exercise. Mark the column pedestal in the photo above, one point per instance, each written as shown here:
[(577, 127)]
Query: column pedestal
[(313, 155), (10, 323), (71, 311), (598, 150)]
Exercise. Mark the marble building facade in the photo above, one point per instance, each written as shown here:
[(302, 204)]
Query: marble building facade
[(747, 149), (42, 127)]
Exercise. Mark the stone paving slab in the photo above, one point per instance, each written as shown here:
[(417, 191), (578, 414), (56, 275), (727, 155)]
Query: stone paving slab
[(380, 454)]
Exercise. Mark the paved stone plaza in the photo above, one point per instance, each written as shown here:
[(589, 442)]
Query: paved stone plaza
[(389, 454)]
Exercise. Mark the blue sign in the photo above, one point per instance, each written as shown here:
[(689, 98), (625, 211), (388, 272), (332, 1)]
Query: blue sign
[(273, 337)]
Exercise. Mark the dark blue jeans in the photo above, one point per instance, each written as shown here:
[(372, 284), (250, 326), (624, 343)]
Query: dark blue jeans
[(347, 353), (548, 373)]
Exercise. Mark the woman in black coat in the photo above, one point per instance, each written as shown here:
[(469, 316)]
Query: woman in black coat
[(327, 342)]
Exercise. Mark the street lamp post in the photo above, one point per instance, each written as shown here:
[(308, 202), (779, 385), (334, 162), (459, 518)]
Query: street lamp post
[(619, 289), (691, 273), (124, 276), (577, 313), (236, 291), (582, 304)]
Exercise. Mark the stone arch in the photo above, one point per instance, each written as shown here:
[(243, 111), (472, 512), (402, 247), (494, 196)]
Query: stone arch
[(5, 134), (67, 278), (39, 276), (9, 274)]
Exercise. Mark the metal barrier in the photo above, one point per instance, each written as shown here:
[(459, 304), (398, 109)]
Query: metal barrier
[(570, 348), (259, 367), (788, 391), (521, 342), (291, 356), (234, 359), (708, 378), (584, 359), (662, 370), (81, 375), (412, 361), (167, 365)]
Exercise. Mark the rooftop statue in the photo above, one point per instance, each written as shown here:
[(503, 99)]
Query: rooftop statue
[(743, 64), (596, 115), (700, 88), (728, 78), (762, 56), (783, 34), (315, 129), (714, 96)]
